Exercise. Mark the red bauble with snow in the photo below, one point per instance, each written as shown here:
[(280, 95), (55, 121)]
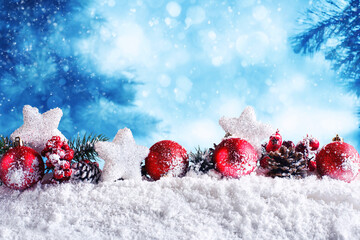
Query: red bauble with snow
[(275, 142), (314, 144), (338, 160), (21, 167), (235, 157), (166, 158)]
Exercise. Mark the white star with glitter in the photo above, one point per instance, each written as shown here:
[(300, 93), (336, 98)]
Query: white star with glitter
[(122, 157), (247, 127), (38, 128)]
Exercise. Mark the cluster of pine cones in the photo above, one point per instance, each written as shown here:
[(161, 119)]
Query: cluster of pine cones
[(284, 159)]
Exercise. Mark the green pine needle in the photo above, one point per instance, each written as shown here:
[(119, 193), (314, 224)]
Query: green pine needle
[(5, 144), (84, 147), (201, 160)]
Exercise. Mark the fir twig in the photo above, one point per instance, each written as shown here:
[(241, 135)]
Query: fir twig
[(201, 160), (333, 27), (84, 147), (5, 144)]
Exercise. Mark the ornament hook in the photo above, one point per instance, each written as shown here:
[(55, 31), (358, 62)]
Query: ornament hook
[(337, 138), (227, 135), (18, 142)]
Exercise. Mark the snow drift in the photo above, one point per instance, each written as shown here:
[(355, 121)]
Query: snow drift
[(193, 207)]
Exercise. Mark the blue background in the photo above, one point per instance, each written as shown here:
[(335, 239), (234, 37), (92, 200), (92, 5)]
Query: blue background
[(167, 69)]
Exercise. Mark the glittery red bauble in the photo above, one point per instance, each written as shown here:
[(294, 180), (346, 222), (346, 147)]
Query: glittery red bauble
[(338, 160), (21, 167), (274, 143), (235, 157), (166, 158), (314, 144)]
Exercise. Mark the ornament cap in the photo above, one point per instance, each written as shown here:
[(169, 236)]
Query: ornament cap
[(227, 135), (18, 142), (337, 138)]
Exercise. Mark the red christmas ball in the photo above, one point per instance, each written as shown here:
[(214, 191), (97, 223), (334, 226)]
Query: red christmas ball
[(275, 142), (312, 165), (235, 157), (314, 144), (338, 160), (166, 158), (21, 167)]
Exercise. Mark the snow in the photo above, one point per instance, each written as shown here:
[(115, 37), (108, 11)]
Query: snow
[(122, 157), (17, 176), (193, 207), (351, 164), (38, 128), (176, 167), (57, 162)]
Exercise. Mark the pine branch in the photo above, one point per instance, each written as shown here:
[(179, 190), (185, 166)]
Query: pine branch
[(84, 147), (333, 27), (201, 160), (315, 37), (5, 144), (325, 20)]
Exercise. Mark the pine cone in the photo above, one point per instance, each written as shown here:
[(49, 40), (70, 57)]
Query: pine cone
[(286, 163), (86, 171), (201, 161)]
